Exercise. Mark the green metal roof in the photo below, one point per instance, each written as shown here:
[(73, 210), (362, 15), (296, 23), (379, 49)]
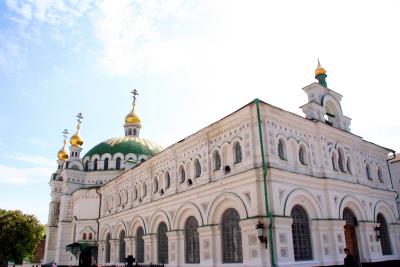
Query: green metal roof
[(125, 145)]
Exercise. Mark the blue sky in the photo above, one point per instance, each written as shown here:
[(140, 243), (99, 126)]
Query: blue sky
[(193, 62)]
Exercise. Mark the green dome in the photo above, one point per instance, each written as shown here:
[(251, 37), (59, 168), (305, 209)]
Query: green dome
[(125, 145)]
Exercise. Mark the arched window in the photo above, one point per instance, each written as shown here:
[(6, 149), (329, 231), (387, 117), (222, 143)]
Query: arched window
[(302, 155), (162, 243), (238, 153), (86, 166), (334, 162), (134, 132), (380, 175), (281, 150), (197, 168), (95, 165), (341, 160), (122, 246), (135, 195), (192, 250), (106, 164), (129, 131), (84, 236), (348, 165), (301, 234), (231, 237), (155, 184), (140, 245), (384, 235), (107, 248), (217, 161), (368, 171), (182, 174), (118, 163), (90, 236), (167, 180), (144, 189)]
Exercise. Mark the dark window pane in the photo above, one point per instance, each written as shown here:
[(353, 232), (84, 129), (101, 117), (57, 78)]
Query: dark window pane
[(231, 237)]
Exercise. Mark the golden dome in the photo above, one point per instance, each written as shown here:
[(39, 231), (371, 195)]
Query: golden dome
[(76, 140), (319, 70), (132, 117), (62, 154)]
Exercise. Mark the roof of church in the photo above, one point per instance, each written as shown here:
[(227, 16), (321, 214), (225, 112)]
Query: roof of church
[(125, 145)]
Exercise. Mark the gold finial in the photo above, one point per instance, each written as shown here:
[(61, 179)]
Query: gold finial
[(319, 70), (76, 140), (62, 154), (132, 117)]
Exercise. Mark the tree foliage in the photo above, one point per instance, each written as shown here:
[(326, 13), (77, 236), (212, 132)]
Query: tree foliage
[(19, 235)]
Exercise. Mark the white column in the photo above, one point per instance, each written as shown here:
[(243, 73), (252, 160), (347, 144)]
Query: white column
[(114, 251), (174, 247), (254, 252), (150, 248), (207, 241), (101, 252), (366, 247), (283, 240)]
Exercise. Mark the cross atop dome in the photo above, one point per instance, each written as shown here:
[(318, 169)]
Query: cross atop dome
[(132, 121)]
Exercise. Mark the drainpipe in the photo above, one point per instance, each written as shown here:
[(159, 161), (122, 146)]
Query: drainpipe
[(98, 226), (387, 163), (271, 243)]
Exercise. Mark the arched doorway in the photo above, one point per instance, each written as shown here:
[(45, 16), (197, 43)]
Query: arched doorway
[(350, 233)]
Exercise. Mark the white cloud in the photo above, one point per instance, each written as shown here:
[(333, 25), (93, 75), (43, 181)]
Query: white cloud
[(23, 176), (33, 159)]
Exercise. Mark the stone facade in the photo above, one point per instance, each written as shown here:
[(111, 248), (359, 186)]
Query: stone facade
[(308, 162)]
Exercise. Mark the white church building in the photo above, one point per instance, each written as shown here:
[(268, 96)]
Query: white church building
[(260, 187)]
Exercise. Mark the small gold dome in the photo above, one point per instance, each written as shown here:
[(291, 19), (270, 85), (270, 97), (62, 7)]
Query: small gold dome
[(76, 140), (132, 117), (319, 70), (62, 153)]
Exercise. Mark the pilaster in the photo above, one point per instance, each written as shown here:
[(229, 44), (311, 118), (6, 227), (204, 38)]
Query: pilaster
[(175, 247), (207, 243)]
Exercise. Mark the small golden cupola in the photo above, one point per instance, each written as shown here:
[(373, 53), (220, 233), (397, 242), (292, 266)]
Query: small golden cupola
[(320, 75), (76, 140), (132, 121), (62, 154)]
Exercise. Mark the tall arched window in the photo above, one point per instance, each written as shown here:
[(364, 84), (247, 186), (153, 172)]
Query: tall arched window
[(84, 236), (118, 164), (301, 234), (231, 237), (95, 165), (139, 245), (197, 168), (368, 171), (348, 165), (122, 246), (86, 165), (155, 184), (380, 175), (384, 235), (217, 161), (106, 164), (192, 250), (90, 236), (302, 155), (341, 160), (107, 247), (167, 180), (182, 174), (144, 189), (162, 243), (135, 193), (334, 162), (238, 153), (281, 150)]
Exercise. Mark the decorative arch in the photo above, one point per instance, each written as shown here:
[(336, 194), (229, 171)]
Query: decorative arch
[(383, 207), (118, 155), (131, 155), (328, 101), (223, 202), (105, 230), (351, 202), (136, 222), (158, 217), (185, 211), (304, 198), (94, 157), (106, 155), (119, 227)]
